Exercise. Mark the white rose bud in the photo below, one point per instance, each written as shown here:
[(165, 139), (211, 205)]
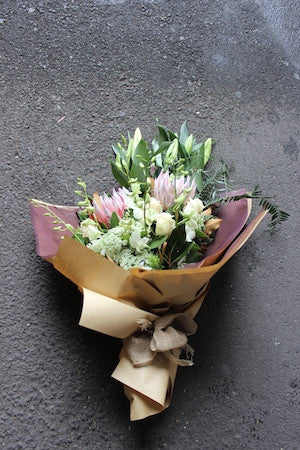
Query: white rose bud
[(194, 205), (90, 231), (155, 205), (165, 224)]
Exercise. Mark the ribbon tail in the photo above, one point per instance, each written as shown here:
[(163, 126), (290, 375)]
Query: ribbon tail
[(182, 362)]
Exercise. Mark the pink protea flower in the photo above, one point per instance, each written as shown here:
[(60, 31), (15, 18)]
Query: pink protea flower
[(105, 205), (164, 189)]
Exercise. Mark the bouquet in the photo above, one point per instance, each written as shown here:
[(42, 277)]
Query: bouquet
[(143, 256)]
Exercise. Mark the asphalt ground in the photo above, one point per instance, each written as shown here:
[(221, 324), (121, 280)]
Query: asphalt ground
[(75, 75)]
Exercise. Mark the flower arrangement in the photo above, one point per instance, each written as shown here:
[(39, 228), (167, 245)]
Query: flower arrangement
[(143, 255)]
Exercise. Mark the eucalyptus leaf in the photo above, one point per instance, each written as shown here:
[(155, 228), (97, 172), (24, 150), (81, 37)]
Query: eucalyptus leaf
[(158, 160)]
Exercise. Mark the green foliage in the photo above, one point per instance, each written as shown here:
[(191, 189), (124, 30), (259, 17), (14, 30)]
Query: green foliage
[(114, 220), (277, 215), (86, 203), (120, 176), (155, 243), (181, 155), (177, 248)]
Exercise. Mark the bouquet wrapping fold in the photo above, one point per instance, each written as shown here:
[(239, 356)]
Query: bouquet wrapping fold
[(117, 301)]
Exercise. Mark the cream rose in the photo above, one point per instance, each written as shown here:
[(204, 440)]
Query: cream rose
[(165, 224), (90, 230), (155, 205), (194, 205)]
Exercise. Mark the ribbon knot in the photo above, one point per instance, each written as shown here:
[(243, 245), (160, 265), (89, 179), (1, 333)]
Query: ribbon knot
[(164, 335)]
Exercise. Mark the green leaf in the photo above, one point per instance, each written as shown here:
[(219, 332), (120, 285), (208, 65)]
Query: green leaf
[(157, 242), (172, 135), (140, 154), (158, 160), (189, 144), (114, 220), (130, 148), (139, 173), (172, 153), (119, 151), (77, 236), (162, 134), (119, 176), (196, 159), (198, 180), (183, 133), (176, 242), (201, 234), (186, 250), (164, 146), (140, 162), (155, 144), (137, 137), (182, 152), (82, 215), (207, 150)]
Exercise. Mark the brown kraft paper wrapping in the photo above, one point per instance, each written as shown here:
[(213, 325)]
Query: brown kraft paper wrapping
[(114, 298)]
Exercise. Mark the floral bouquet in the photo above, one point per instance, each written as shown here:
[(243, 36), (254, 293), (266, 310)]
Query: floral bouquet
[(143, 256)]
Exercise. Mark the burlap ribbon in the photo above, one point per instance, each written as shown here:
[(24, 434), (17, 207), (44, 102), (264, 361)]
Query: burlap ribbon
[(164, 335)]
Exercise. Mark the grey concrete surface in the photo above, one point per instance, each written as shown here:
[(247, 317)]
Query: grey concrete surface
[(231, 69)]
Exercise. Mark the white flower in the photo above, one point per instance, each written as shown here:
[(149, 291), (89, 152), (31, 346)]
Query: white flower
[(109, 243), (137, 213), (155, 205), (137, 242), (165, 224), (194, 224), (153, 208), (133, 202), (194, 205), (190, 233), (90, 230)]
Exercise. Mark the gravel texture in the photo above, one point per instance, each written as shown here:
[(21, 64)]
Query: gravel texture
[(75, 75)]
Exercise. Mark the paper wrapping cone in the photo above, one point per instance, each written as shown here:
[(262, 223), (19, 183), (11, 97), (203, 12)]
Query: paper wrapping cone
[(115, 298)]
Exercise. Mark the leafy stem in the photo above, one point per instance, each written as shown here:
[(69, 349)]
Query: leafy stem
[(277, 215), (50, 213)]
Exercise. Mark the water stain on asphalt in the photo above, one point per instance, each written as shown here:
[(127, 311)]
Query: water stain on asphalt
[(291, 149)]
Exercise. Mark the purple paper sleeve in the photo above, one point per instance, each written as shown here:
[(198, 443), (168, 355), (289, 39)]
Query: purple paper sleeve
[(234, 216), (47, 239)]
